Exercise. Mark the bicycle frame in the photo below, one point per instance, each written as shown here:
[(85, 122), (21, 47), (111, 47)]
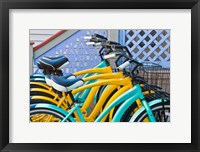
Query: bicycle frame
[(126, 101), (94, 87), (78, 101), (113, 84), (127, 98)]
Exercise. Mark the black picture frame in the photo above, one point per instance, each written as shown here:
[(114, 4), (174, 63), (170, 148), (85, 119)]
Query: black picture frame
[(5, 5)]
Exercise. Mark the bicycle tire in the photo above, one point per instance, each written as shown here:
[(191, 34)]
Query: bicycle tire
[(100, 91), (158, 107), (37, 85), (37, 78), (126, 116), (38, 93), (107, 99), (47, 101), (50, 110)]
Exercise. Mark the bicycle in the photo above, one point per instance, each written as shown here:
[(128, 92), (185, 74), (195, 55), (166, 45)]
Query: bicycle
[(126, 101), (40, 88), (126, 63)]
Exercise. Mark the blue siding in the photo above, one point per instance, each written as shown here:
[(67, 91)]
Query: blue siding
[(74, 48), (145, 45)]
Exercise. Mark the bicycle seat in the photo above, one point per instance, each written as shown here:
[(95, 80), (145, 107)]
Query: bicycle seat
[(65, 85), (52, 63), (49, 80)]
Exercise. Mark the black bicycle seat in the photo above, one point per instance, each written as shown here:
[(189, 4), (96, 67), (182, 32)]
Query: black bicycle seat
[(52, 63)]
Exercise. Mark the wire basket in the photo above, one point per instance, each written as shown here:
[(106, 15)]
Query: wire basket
[(156, 75)]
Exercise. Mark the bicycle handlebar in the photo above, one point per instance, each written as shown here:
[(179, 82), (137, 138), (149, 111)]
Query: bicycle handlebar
[(124, 65), (87, 37), (109, 56), (100, 36), (121, 47), (114, 47), (99, 40), (90, 43), (96, 40), (113, 43), (104, 42), (95, 36), (98, 44)]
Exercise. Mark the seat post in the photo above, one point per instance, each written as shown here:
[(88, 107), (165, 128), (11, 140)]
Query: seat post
[(71, 96)]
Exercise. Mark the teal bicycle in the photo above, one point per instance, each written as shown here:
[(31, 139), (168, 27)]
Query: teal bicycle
[(127, 105), (128, 110)]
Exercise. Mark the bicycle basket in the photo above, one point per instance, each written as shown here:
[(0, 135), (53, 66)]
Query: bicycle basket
[(156, 75)]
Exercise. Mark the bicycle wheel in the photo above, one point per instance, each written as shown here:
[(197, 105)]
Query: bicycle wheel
[(49, 110), (161, 112), (44, 99), (129, 112), (35, 92), (42, 117), (37, 78), (100, 91), (106, 101), (35, 84)]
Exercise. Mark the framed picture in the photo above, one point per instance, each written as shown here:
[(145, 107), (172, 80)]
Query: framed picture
[(125, 72)]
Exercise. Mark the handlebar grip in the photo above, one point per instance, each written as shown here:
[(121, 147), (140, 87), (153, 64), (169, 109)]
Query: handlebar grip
[(87, 37), (100, 36), (124, 65), (110, 56), (98, 44), (90, 43)]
